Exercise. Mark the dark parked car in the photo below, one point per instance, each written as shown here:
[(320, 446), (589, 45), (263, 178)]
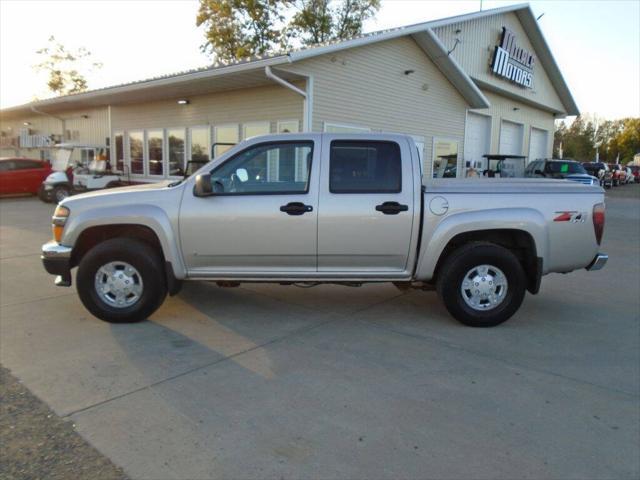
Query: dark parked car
[(22, 175), (600, 170), (561, 169)]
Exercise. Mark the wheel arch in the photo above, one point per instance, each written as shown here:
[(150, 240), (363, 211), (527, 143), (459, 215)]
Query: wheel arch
[(147, 223), (522, 231)]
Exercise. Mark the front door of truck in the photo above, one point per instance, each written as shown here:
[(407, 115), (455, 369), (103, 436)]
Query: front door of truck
[(261, 219), (367, 207)]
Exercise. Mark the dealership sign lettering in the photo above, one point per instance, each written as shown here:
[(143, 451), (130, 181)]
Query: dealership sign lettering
[(511, 61)]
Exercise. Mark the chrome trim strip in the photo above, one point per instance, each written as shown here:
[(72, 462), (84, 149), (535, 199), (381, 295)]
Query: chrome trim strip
[(53, 249), (598, 262)]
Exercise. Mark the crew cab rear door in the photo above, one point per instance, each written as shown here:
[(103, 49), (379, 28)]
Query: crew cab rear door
[(368, 215)]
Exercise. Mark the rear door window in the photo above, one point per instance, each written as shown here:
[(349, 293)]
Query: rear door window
[(365, 167)]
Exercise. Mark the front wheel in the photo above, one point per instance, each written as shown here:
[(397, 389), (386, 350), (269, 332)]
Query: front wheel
[(121, 280), (481, 284), (61, 192)]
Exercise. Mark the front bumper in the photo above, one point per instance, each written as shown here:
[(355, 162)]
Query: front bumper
[(56, 259), (598, 262)]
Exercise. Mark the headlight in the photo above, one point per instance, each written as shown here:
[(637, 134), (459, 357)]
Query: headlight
[(57, 222)]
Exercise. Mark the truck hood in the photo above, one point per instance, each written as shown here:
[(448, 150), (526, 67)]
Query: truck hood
[(507, 185), (144, 193)]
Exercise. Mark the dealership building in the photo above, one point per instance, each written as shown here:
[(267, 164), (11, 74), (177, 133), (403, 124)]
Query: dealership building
[(463, 87)]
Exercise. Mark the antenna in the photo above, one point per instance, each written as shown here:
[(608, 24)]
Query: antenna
[(540, 16)]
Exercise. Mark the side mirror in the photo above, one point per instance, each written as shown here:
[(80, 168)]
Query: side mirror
[(203, 187)]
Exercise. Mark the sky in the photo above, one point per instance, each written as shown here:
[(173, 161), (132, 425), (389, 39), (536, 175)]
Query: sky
[(595, 43)]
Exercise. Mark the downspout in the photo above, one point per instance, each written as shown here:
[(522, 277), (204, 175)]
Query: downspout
[(307, 115)]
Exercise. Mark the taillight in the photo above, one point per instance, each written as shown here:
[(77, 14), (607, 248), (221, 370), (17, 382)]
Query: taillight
[(598, 221)]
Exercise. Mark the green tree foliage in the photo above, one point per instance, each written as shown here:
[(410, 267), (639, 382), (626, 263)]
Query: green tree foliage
[(236, 29), (611, 138), (317, 21), (63, 67)]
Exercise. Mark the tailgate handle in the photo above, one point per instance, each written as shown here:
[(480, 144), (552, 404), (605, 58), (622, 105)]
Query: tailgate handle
[(391, 208), (296, 208)]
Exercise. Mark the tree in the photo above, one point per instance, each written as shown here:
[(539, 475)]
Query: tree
[(318, 21), (63, 67), (235, 29), (614, 139)]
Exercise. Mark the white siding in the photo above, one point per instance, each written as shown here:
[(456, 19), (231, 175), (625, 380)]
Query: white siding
[(270, 103), (367, 86), (506, 109), (474, 53)]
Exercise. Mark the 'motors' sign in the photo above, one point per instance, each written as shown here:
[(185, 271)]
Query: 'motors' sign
[(511, 61)]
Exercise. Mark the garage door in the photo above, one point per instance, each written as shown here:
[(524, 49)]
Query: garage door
[(538, 144), (477, 139), (511, 138)]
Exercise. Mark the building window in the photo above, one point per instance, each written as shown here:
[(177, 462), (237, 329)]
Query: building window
[(445, 158), (246, 172), (155, 143), (256, 128), (365, 167), (225, 134), (200, 144), (136, 153), (176, 139), (344, 128), (119, 151)]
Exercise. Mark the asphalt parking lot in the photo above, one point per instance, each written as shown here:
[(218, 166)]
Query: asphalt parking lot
[(336, 382)]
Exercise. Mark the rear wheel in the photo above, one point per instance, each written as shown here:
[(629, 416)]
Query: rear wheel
[(121, 280), (482, 284), (61, 192)]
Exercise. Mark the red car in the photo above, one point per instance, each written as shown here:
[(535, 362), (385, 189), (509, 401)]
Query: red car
[(22, 175), (635, 170)]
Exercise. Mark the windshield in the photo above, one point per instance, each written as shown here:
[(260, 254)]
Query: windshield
[(565, 168), (60, 159)]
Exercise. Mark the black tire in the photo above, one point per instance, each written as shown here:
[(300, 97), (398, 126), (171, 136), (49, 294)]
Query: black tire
[(43, 195), (139, 255), (60, 193), (455, 267)]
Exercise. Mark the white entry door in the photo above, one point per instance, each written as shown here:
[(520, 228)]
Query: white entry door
[(477, 138), (511, 138), (538, 144)]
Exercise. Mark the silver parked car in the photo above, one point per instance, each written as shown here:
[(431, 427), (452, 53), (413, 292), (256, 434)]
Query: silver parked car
[(324, 208)]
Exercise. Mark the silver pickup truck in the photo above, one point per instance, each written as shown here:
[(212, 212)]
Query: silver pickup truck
[(325, 208)]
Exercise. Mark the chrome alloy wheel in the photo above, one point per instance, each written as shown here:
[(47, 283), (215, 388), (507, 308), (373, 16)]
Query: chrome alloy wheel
[(118, 284), (484, 287)]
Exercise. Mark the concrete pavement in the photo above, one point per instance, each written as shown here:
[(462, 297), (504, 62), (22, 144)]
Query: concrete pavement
[(266, 381)]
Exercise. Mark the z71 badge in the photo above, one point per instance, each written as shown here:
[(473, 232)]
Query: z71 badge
[(573, 217)]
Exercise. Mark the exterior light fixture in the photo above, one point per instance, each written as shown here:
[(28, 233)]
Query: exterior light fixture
[(26, 124), (515, 109), (409, 72), (183, 101)]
